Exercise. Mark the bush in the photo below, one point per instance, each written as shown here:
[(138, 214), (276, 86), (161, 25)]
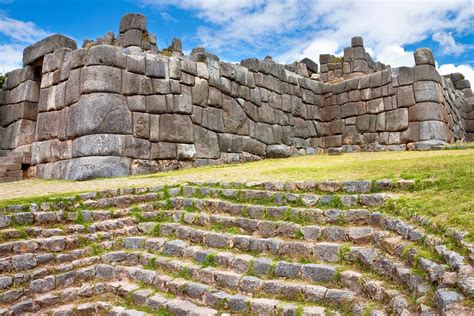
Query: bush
[(2, 80)]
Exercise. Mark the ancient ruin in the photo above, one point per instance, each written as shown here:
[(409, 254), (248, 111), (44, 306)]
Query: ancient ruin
[(203, 249), (121, 106)]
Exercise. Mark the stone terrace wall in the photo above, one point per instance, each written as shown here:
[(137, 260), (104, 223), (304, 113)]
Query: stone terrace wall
[(107, 110)]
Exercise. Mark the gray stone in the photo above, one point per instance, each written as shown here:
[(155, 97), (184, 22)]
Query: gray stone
[(176, 128), (433, 130), (105, 271), (101, 79), (278, 151), (23, 262), (132, 21), (287, 269), (397, 120), (106, 55), (318, 272), (99, 113), (99, 145), (445, 297), (262, 266), (46, 46), (328, 252), (23, 307), (96, 167), (424, 56), (174, 247), (428, 91)]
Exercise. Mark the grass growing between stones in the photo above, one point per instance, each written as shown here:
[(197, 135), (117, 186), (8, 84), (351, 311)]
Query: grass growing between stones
[(446, 199)]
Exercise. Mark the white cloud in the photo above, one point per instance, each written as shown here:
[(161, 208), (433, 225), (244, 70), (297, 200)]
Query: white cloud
[(292, 29), (10, 58), (20, 34), (21, 31), (466, 70), (447, 43)]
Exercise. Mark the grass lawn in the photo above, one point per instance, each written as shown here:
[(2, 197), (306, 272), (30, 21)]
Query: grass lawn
[(448, 199)]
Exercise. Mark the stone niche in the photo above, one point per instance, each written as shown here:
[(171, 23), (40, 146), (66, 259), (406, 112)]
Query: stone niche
[(120, 106)]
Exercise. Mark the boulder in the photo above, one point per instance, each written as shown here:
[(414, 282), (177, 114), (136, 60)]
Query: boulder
[(96, 167), (45, 46), (99, 113), (424, 56)]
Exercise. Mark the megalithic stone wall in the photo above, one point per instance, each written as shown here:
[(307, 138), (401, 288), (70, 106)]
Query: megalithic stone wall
[(110, 110)]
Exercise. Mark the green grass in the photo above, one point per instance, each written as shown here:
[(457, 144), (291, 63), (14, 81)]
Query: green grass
[(446, 199)]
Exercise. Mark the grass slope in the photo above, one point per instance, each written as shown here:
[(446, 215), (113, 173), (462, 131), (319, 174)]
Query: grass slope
[(448, 199)]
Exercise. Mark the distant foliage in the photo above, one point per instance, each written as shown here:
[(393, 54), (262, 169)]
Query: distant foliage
[(2, 80)]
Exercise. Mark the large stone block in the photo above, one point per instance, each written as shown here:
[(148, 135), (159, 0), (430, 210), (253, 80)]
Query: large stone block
[(48, 45), (163, 151), (47, 125), (405, 76), (176, 128), (73, 87), (200, 92), (132, 38), (433, 130), (424, 56), (106, 55), (156, 68), (182, 103), (397, 120), (405, 96), (426, 72), (375, 106), (426, 111), (428, 91), (141, 125), (155, 104), (235, 119), (137, 148), (96, 167), (132, 21), (99, 113), (99, 145), (101, 79), (207, 144), (19, 133)]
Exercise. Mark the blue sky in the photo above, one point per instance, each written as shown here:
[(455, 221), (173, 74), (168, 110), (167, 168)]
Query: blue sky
[(287, 30)]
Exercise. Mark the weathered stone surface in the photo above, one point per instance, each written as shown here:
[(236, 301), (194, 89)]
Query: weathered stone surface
[(96, 167), (428, 91), (176, 128), (424, 56), (46, 46), (101, 79), (397, 120), (99, 113)]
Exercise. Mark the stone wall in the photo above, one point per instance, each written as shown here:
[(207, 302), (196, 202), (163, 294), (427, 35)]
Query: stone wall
[(109, 110)]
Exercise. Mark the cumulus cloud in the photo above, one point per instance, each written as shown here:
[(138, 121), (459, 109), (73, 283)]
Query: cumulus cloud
[(466, 70), (447, 43), (19, 34), (21, 31), (10, 57), (291, 29)]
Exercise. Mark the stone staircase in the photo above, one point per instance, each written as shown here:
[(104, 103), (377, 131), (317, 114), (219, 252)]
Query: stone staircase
[(13, 166), (299, 248)]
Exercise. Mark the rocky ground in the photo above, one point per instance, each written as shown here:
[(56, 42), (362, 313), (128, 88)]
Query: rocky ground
[(208, 248)]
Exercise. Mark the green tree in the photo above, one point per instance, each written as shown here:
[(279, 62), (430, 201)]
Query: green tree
[(2, 80)]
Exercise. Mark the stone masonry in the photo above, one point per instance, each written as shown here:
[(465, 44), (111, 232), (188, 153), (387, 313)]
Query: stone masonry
[(120, 106)]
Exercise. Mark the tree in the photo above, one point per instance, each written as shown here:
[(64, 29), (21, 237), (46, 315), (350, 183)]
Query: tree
[(2, 80)]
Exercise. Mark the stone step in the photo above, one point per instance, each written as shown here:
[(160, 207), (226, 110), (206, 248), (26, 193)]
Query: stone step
[(290, 199), (352, 186)]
